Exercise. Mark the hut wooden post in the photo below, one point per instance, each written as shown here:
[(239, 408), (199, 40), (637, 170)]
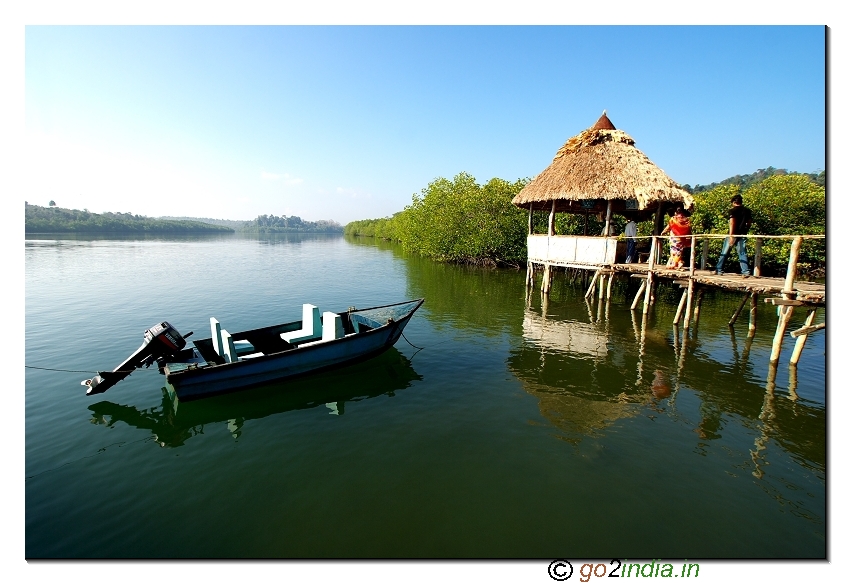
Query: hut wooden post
[(530, 219), (754, 301), (650, 266), (788, 293), (801, 339), (704, 261), (608, 220), (659, 219), (552, 220), (757, 258)]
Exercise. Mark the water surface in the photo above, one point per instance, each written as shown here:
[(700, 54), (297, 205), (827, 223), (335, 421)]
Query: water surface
[(522, 428)]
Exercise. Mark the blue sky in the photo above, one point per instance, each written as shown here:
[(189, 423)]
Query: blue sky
[(347, 122)]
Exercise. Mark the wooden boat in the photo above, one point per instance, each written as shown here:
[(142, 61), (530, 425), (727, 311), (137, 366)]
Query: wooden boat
[(230, 362)]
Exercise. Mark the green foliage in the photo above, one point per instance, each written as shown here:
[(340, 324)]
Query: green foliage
[(458, 220), (39, 219), (782, 204)]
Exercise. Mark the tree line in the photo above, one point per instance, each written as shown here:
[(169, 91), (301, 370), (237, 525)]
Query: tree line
[(54, 219), (462, 221)]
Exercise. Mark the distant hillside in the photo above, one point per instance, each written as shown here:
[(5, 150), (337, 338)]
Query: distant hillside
[(53, 219), (271, 224), (746, 180)]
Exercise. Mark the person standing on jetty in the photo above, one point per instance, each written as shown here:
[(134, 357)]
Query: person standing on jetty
[(679, 228), (740, 219)]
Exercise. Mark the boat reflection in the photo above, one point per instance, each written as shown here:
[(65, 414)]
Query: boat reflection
[(174, 422)]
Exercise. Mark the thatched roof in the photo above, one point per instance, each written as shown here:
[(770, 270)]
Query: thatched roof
[(600, 164)]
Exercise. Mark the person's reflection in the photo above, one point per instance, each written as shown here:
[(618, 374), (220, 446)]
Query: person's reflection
[(660, 385)]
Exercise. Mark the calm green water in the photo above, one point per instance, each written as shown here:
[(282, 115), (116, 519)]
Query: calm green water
[(522, 429)]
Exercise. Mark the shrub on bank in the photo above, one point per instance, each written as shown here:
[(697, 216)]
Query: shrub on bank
[(458, 220), (790, 204)]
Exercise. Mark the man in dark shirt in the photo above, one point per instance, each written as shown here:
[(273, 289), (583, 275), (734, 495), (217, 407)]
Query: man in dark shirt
[(740, 219)]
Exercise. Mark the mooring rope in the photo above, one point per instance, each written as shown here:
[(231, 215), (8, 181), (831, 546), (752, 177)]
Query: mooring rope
[(77, 371), (411, 343)]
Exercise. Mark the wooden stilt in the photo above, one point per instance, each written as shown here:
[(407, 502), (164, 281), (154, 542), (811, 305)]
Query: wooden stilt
[(688, 305), (589, 292), (639, 293), (788, 293), (651, 264), (608, 290), (545, 281), (801, 339), (785, 313), (740, 307), (602, 285), (698, 306), (680, 308), (754, 301)]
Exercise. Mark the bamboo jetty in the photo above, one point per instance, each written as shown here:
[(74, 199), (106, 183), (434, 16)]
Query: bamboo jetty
[(785, 294)]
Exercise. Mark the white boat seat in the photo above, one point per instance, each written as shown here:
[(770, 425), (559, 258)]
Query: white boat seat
[(311, 326), (227, 348), (331, 328)]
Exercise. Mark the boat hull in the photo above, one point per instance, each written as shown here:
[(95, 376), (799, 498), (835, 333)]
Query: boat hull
[(195, 383)]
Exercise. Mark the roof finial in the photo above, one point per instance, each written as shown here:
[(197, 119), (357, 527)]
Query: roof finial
[(603, 123)]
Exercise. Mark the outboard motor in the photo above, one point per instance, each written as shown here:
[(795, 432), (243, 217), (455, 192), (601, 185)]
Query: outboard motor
[(160, 340)]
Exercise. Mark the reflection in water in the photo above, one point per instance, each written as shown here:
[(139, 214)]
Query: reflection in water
[(558, 363), (173, 422), (660, 385), (576, 366)]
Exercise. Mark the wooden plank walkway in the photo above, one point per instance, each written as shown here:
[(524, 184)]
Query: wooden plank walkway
[(808, 292)]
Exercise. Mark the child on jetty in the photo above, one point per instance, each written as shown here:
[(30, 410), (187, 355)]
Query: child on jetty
[(679, 228)]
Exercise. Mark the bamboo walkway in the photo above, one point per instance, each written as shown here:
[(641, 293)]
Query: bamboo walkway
[(809, 293), (783, 293)]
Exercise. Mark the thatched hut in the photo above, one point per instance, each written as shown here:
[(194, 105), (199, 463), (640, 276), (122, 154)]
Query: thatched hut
[(600, 171)]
